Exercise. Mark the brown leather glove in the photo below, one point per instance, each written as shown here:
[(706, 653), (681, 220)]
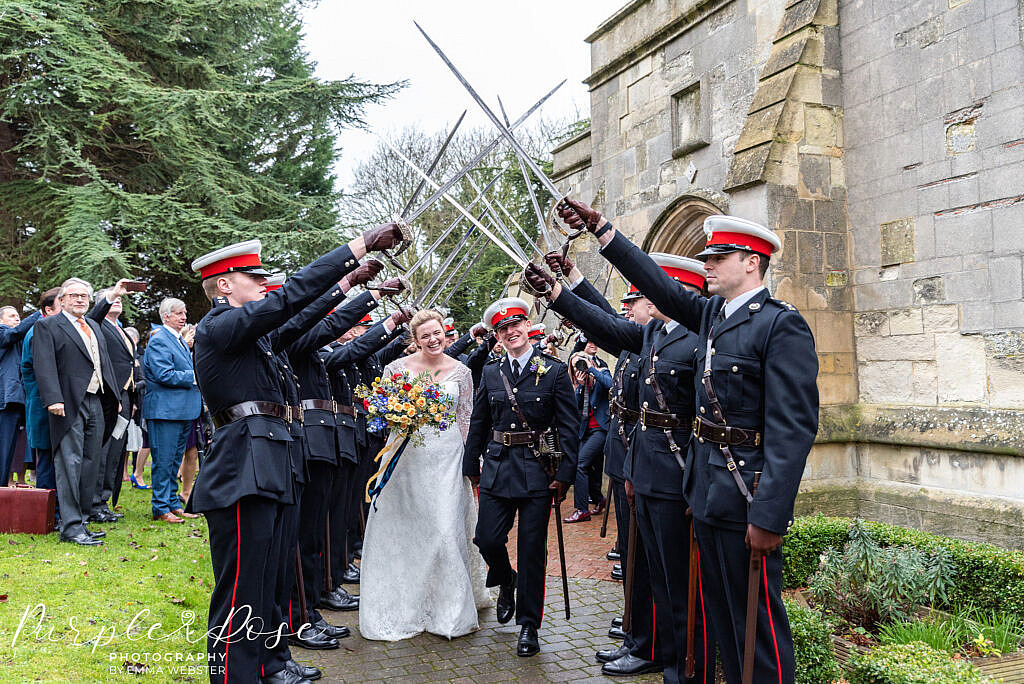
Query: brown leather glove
[(559, 488), (761, 541), (556, 262), (551, 339), (365, 272), (478, 331), (539, 279), (401, 316), (384, 236), (392, 286), (630, 493), (578, 215)]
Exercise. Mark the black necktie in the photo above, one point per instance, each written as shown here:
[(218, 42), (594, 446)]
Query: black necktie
[(515, 369)]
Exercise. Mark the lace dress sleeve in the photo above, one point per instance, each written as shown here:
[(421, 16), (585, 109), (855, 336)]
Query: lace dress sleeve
[(395, 366), (464, 409)]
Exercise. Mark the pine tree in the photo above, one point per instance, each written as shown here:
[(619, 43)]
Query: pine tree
[(135, 136)]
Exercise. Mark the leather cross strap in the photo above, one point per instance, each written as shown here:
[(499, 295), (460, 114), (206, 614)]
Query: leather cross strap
[(252, 408), (723, 434), (526, 426), (663, 405), (716, 411), (320, 404), (616, 409)]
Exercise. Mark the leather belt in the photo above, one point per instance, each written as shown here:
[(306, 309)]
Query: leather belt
[(321, 404), (665, 421), (347, 410), (626, 415), (515, 438), (704, 429), (256, 408)]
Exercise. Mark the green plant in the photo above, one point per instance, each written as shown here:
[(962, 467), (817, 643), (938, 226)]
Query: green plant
[(812, 646), (941, 635), (914, 663), (866, 583), (1004, 631), (987, 577)]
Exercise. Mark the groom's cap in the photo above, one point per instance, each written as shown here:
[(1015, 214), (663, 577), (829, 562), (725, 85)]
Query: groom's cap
[(505, 311)]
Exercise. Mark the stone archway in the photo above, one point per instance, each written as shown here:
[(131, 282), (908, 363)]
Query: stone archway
[(680, 227)]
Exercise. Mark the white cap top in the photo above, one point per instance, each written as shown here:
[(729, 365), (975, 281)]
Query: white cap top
[(504, 311)]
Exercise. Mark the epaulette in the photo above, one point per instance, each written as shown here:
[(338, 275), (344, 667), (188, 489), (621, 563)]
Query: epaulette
[(551, 358), (490, 361), (782, 303)]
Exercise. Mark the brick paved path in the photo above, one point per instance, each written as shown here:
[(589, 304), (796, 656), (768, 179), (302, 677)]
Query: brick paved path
[(488, 655)]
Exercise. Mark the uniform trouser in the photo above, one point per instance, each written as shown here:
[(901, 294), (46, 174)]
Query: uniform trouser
[(725, 562), (245, 550), (76, 461), (665, 530), (277, 654), (11, 417), (167, 440), (591, 453), (46, 478), (343, 494), (113, 450), (312, 526), (495, 519), (641, 637)]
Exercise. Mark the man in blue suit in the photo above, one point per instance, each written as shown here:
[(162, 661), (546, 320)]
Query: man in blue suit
[(12, 393), (591, 385), (171, 403)]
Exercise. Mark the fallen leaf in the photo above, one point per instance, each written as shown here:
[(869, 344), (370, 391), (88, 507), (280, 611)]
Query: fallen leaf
[(3, 598)]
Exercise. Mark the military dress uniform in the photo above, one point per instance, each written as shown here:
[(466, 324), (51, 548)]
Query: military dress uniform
[(763, 368), (513, 480), (247, 476), (654, 463)]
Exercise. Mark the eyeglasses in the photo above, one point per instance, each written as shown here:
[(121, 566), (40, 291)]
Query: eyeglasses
[(73, 295)]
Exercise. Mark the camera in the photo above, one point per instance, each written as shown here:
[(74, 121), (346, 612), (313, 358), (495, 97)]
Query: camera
[(580, 365)]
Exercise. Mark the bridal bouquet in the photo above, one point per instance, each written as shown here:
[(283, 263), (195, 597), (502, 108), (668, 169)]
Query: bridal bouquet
[(404, 403)]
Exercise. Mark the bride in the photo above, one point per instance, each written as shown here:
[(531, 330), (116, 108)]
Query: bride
[(420, 570)]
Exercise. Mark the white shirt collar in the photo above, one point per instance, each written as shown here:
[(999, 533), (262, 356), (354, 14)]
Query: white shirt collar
[(174, 332), (521, 359), (736, 302), (670, 325), (71, 316)]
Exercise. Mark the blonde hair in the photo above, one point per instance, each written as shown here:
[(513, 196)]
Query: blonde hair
[(423, 316)]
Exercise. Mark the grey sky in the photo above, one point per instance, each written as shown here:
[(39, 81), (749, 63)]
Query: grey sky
[(518, 51)]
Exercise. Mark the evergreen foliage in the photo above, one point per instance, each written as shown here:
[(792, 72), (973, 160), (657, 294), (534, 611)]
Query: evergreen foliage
[(136, 136)]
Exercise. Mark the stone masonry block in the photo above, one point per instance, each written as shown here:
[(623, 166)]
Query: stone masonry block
[(886, 382), (941, 318), (794, 214), (786, 54), (836, 253), (797, 16), (895, 348), (1005, 278), (967, 286), (929, 290), (747, 167), (897, 241), (906, 322), (871, 324), (811, 252), (833, 332), (815, 176), (821, 126), (924, 383), (961, 363), (774, 90), (760, 127)]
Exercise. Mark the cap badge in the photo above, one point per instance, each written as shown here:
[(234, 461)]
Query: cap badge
[(754, 306), (502, 311)]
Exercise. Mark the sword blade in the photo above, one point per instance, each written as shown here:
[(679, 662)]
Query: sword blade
[(520, 152), (541, 221), (465, 272), (433, 165), (459, 267), (476, 159), (461, 209), (444, 266)]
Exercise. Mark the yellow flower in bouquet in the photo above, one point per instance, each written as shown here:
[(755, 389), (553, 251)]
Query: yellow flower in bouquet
[(405, 403)]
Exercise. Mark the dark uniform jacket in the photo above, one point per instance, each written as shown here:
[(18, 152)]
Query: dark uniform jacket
[(121, 357), (764, 370), (478, 358), (458, 348), (650, 465), (235, 362), (546, 401)]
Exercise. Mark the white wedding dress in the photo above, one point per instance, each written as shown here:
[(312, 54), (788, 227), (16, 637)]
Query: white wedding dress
[(420, 570)]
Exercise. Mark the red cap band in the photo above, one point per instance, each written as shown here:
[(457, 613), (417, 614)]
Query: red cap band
[(226, 265), (271, 288), (508, 313), (684, 276), (536, 333), (754, 243)]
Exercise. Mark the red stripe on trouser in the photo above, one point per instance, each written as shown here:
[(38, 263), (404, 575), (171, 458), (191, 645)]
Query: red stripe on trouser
[(234, 590), (654, 628), (703, 616), (771, 622)]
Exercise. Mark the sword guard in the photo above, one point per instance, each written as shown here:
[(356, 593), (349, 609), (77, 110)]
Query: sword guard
[(525, 286), (406, 231)]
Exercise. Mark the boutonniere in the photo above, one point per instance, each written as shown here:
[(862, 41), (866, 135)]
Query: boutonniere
[(539, 368)]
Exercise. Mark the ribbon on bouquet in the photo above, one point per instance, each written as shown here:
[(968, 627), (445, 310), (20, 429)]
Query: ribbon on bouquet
[(388, 458)]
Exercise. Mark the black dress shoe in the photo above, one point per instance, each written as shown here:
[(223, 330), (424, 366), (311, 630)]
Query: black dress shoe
[(305, 671), (616, 622), (528, 644), (313, 640), (82, 539), (617, 572), (613, 555), (629, 665), (340, 601), (358, 553), (609, 654), (506, 606), (616, 633), (333, 631), (351, 575), (97, 534), (284, 676)]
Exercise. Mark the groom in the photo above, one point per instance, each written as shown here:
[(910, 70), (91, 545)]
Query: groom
[(520, 400)]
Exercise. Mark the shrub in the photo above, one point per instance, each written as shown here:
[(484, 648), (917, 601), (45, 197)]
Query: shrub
[(1006, 632), (987, 577), (942, 635), (914, 663), (812, 646), (867, 584)]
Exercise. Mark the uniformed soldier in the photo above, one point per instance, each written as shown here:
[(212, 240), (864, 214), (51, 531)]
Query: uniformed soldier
[(757, 416), (654, 466), (523, 405), (246, 478)]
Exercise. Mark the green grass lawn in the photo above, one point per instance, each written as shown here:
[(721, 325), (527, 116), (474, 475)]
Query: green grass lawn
[(88, 613)]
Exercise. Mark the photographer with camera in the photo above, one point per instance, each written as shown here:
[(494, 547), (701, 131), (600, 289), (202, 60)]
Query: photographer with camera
[(591, 385)]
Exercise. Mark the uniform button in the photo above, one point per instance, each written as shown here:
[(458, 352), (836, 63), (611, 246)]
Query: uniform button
[(270, 434), (335, 293), (515, 390), (654, 358), (700, 439), (712, 351), (735, 369), (321, 422), (632, 375), (702, 410), (648, 381), (672, 372), (513, 426), (645, 404), (644, 428), (743, 463), (537, 399)]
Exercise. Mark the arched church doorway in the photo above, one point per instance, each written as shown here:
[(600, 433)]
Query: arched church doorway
[(680, 227)]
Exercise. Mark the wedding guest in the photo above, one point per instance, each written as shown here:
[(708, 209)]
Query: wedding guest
[(12, 392), (37, 422)]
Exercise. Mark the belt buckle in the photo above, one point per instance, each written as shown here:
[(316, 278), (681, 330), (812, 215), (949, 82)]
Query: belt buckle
[(643, 416), (757, 439), (506, 439), (730, 465), (300, 413), (287, 413)]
